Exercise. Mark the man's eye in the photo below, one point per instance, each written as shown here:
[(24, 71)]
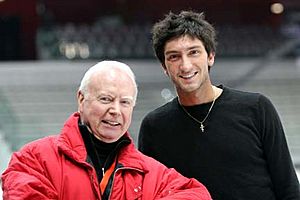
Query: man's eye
[(126, 102), (194, 52), (172, 57), (104, 99)]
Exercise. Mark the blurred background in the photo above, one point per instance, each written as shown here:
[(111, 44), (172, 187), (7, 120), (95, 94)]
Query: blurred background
[(47, 45)]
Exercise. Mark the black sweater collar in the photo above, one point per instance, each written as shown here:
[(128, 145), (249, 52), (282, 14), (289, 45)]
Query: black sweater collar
[(100, 154)]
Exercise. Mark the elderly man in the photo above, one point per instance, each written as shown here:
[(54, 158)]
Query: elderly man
[(94, 157)]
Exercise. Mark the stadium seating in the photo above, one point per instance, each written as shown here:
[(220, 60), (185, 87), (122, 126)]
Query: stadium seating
[(37, 97), (117, 40)]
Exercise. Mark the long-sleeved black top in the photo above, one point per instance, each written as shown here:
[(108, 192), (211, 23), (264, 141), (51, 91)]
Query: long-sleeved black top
[(242, 154)]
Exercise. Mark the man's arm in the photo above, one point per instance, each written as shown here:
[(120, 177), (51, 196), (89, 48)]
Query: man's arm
[(175, 186), (25, 178), (283, 175)]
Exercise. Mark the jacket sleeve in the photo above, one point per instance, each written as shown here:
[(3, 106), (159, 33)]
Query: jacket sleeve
[(175, 186), (282, 171), (25, 178)]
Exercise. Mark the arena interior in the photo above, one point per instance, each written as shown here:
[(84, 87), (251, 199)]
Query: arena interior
[(46, 46)]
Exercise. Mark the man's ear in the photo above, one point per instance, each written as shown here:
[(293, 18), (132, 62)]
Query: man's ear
[(211, 59), (165, 69), (80, 98)]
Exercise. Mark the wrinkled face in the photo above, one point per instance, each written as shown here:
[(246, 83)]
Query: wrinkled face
[(186, 63), (108, 105)]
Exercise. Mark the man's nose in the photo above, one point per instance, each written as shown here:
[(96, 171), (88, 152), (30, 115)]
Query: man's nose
[(115, 108), (186, 63)]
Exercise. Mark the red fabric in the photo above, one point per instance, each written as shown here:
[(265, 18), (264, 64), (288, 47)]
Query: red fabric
[(55, 167)]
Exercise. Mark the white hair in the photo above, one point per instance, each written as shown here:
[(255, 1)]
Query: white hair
[(107, 65)]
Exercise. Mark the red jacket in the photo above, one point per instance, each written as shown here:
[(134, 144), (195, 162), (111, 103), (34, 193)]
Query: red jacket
[(55, 167)]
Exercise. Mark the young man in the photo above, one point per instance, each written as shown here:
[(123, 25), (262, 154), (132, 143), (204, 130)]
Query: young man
[(94, 156), (230, 140)]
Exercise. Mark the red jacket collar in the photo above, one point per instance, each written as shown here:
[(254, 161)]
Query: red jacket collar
[(70, 143)]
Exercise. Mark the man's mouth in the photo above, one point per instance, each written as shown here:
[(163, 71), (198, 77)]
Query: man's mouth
[(188, 76), (111, 123)]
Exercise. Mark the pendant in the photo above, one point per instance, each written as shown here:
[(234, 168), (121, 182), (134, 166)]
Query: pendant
[(202, 128)]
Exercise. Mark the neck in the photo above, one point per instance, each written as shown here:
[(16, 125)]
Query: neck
[(202, 96)]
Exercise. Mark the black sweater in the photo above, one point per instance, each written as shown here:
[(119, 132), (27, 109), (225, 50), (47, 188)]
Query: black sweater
[(242, 154)]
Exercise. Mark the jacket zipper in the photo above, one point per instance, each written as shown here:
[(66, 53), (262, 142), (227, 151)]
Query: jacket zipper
[(103, 171), (118, 169)]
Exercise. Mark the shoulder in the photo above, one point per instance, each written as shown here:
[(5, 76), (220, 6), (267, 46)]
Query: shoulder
[(164, 111), (41, 143), (230, 92), (239, 96), (42, 147), (34, 156)]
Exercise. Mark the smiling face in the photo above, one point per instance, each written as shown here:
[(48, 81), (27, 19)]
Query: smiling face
[(107, 106), (186, 63)]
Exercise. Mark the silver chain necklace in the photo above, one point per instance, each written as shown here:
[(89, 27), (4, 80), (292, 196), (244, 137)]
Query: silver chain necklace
[(199, 122)]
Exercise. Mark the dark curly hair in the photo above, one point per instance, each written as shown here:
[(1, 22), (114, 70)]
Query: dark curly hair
[(185, 23)]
